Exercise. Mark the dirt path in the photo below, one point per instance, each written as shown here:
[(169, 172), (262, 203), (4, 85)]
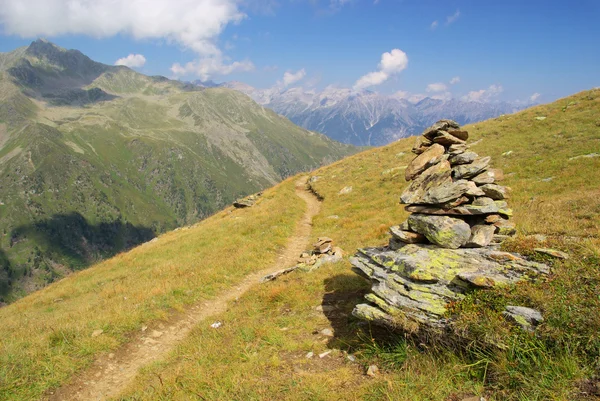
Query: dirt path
[(110, 374)]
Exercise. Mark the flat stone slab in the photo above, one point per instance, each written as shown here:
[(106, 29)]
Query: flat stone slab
[(417, 281)]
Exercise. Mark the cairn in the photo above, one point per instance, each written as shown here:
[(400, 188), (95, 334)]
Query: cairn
[(450, 243)]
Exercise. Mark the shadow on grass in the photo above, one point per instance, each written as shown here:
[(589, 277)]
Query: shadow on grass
[(343, 293), (72, 240)]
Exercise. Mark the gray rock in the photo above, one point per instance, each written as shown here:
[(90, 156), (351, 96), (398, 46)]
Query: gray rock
[(471, 170), (431, 132), (444, 231), (463, 158), (408, 237), (488, 177), (481, 235), (421, 145), (423, 161), (496, 192), (444, 138), (480, 206), (552, 252), (431, 178), (445, 192), (345, 190), (416, 282), (457, 149), (527, 318)]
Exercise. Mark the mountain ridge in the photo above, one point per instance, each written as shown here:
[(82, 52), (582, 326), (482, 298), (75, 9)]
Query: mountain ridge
[(102, 158), (364, 117)]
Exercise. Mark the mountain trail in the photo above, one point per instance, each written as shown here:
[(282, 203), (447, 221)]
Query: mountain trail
[(110, 374)]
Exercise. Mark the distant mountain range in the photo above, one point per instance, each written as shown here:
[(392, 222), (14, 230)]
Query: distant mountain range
[(365, 117), (95, 159)]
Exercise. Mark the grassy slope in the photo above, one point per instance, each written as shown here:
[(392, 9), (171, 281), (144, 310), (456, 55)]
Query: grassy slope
[(260, 351), (79, 184)]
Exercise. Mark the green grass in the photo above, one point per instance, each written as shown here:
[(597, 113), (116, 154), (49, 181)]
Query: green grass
[(260, 351), (136, 288), (254, 358)]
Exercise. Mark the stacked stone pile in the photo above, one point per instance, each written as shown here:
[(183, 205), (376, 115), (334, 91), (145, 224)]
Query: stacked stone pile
[(449, 244), (453, 195), (323, 252)]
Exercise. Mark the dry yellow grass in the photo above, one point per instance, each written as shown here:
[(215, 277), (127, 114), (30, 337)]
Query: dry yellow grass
[(260, 351)]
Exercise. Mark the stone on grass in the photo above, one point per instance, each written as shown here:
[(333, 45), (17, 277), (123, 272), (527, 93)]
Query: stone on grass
[(527, 318), (552, 252), (372, 370)]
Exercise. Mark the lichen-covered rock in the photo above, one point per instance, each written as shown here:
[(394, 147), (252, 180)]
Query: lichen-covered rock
[(443, 231), (527, 318), (423, 161), (431, 178), (418, 281)]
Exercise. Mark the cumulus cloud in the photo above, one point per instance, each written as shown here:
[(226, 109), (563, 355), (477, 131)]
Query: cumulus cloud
[(434, 24), (132, 61), (452, 18), (391, 63), (290, 78), (483, 95), (454, 80), (534, 97), (207, 67), (191, 24), (436, 87)]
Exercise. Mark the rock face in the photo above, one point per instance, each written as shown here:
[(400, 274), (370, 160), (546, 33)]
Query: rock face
[(449, 244)]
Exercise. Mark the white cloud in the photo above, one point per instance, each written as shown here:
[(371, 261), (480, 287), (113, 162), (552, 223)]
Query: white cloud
[(454, 80), (391, 63), (483, 95), (534, 97), (132, 61), (436, 87), (402, 95), (208, 67), (452, 18), (434, 24), (290, 78), (191, 24)]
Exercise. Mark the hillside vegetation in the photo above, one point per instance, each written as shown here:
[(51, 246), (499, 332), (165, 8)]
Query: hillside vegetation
[(260, 351), (95, 159)]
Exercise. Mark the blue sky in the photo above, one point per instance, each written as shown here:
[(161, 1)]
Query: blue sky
[(491, 50)]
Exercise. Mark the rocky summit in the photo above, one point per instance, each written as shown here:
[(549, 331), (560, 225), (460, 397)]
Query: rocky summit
[(449, 245)]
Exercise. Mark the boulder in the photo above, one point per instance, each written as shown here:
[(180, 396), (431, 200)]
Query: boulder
[(431, 178), (443, 231), (423, 161), (417, 281), (445, 192)]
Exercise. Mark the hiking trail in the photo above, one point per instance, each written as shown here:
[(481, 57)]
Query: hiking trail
[(110, 374)]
